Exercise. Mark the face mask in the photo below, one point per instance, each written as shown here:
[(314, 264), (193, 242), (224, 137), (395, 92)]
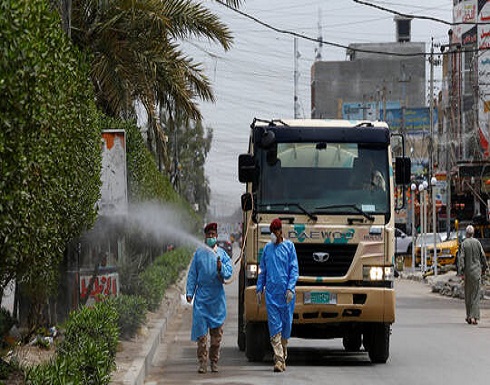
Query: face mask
[(211, 242), (273, 238)]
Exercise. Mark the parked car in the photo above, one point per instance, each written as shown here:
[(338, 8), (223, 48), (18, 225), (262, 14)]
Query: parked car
[(226, 245), (403, 243), (447, 250)]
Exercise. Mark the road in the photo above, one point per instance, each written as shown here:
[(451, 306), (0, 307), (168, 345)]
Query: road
[(430, 344)]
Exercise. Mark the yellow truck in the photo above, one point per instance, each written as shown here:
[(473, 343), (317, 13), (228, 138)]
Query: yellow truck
[(331, 182)]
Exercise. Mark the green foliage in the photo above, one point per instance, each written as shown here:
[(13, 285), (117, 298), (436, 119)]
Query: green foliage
[(146, 183), (152, 282), (5, 370), (132, 314), (88, 351), (189, 144), (49, 145)]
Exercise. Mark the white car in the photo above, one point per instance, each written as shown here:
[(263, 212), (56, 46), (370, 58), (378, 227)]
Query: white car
[(403, 243)]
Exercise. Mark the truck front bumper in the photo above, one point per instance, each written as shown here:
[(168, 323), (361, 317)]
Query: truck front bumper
[(345, 304)]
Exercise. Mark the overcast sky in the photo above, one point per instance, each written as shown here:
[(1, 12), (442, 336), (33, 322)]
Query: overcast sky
[(256, 77)]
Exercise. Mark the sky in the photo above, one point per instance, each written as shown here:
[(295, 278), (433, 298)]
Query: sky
[(256, 77)]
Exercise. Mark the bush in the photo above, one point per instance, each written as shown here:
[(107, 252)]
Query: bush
[(132, 314), (156, 278), (88, 351)]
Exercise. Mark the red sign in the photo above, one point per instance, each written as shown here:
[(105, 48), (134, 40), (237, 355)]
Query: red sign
[(104, 285)]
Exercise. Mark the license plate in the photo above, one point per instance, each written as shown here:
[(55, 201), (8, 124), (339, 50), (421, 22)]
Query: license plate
[(320, 298)]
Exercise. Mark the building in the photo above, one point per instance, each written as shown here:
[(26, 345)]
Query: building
[(375, 77), (464, 134)]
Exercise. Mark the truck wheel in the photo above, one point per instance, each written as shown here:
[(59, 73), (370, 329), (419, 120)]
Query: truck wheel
[(352, 342), (256, 339), (241, 339), (379, 343)]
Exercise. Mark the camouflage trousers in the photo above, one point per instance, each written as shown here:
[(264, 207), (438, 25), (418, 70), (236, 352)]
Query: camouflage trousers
[(216, 335)]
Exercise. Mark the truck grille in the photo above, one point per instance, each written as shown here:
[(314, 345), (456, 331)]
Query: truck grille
[(324, 260)]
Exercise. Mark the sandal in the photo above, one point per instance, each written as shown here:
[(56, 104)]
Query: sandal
[(468, 321), (474, 321)]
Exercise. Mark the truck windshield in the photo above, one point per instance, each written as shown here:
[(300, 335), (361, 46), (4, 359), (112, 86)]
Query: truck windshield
[(319, 175)]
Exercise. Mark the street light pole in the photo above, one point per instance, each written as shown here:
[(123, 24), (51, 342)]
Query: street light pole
[(425, 185), (413, 187), (422, 229), (433, 182)]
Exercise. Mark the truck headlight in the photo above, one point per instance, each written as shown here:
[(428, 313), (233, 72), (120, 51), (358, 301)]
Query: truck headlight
[(378, 273), (252, 271)]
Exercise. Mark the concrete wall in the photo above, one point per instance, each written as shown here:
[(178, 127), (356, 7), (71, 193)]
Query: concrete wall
[(369, 77)]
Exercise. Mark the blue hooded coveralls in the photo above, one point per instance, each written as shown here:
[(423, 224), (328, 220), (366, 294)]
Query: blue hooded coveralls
[(206, 287), (278, 273)]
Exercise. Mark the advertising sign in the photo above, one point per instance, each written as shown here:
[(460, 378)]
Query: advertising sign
[(114, 195), (366, 110), (414, 119), (103, 285)]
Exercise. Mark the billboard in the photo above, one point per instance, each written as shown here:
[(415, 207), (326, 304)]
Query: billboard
[(114, 189), (415, 119), (366, 110)]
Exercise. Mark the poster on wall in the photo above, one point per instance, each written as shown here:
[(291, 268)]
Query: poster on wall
[(102, 285), (484, 75), (114, 195)]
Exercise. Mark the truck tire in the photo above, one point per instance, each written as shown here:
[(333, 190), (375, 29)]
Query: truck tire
[(352, 342), (241, 339), (379, 343), (257, 337)]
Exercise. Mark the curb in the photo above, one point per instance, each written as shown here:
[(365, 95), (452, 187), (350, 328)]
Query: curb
[(141, 364)]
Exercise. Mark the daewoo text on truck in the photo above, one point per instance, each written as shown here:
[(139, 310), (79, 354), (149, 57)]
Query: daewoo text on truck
[(331, 182)]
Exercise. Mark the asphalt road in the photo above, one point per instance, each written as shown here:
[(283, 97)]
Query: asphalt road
[(430, 344)]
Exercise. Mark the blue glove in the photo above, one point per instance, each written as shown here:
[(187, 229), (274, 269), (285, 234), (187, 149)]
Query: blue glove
[(289, 296)]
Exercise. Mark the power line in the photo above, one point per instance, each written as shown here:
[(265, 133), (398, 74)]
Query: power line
[(407, 15), (337, 45)]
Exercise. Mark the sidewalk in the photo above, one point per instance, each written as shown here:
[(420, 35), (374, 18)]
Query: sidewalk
[(134, 357), (446, 284)]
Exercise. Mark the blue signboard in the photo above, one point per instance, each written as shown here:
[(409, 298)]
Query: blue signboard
[(366, 110), (416, 119)]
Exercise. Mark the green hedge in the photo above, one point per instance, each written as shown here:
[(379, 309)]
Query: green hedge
[(86, 355), (132, 311), (87, 352), (156, 278)]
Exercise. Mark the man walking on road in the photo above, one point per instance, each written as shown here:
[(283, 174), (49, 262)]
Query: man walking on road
[(278, 275), (210, 267), (472, 264)]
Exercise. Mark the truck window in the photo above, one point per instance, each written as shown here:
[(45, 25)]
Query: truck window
[(316, 175)]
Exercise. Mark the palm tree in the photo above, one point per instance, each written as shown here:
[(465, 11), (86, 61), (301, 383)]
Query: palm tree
[(136, 56)]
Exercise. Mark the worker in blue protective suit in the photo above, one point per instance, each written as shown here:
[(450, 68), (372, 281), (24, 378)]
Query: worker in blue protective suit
[(278, 275), (210, 267)]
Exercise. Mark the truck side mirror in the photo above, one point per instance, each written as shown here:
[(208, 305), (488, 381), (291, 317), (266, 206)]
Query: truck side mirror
[(402, 170), (246, 168), (246, 201)]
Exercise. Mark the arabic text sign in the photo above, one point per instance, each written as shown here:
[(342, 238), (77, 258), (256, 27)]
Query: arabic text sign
[(415, 119), (103, 285)]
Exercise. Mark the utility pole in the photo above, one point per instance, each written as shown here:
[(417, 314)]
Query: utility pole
[(452, 49), (403, 80), (431, 154), (296, 77), (431, 110), (318, 51)]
